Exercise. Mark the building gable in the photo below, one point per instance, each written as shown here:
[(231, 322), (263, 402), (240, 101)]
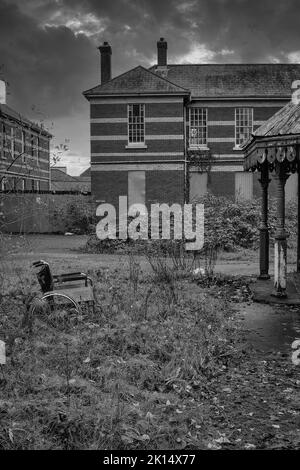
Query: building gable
[(136, 81)]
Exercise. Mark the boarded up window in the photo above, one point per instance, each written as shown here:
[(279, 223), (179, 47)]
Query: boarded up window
[(243, 186), (136, 187), (291, 187), (198, 186)]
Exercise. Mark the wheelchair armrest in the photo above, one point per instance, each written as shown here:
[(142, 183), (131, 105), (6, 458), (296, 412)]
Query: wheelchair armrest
[(69, 277)]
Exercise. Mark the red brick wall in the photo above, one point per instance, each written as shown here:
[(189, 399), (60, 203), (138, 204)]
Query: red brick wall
[(160, 129), (27, 166), (164, 186), (161, 186), (117, 146), (107, 186)]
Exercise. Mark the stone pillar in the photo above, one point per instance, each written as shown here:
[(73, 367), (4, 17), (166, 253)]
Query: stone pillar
[(280, 255), (263, 228)]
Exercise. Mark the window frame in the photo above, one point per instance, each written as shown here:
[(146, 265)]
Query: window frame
[(36, 148), (3, 184), (12, 142), (140, 143), (23, 140), (3, 141), (32, 146), (239, 126), (192, 110)]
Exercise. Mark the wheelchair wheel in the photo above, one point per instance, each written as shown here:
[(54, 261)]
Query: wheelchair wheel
[(56, 309)]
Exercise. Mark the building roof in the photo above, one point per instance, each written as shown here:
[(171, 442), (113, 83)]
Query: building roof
[(285, 122), (10, 113), (206, 81), (59, 175), (136, 81), (276, 138), (234, 80), (86, 173)]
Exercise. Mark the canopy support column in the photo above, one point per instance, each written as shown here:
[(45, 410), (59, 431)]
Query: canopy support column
[(280, 255), (263, 228), (298, 221)]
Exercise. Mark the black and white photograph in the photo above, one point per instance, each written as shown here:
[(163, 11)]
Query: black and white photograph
[(149, 228)]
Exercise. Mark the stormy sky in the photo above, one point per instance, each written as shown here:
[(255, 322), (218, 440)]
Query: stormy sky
[(48, 49)]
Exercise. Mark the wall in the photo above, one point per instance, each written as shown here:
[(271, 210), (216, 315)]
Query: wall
[(39, 213), (235, 185), (161, 186), (33, 147)]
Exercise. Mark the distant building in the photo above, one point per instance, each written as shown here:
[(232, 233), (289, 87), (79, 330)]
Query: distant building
[(24, 152), (61, 181), (173, 132)]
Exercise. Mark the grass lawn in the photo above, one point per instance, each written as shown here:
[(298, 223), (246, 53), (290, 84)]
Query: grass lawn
[(162, 362)]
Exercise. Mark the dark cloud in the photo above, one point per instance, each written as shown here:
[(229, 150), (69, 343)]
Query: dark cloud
[(45, 67), (48, 47)]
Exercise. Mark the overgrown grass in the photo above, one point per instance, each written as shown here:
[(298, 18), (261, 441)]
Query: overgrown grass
[(133, 374)]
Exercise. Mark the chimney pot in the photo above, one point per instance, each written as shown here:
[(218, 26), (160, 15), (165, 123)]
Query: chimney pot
[(105, 52), (162, 47)]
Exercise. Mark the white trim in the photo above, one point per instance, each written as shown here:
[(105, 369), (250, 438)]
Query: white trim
[(228, 156), (198, 147), (108, 120), (164, 119), (137, 166), (228, 103), (137, 154), (138, 145), (229, 168), (24, 167), (111, 138), (221, 139), (224, 168), (220, 123), (24, 175), (231, 123), (124, 120), (159, 166), (133, 99)]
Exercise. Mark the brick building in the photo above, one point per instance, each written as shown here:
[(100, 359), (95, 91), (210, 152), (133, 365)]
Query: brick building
[(24, 152), (172, 132)]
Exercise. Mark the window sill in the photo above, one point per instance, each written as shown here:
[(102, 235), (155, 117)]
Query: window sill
[(238, 148), (198, 147), (136, 146)]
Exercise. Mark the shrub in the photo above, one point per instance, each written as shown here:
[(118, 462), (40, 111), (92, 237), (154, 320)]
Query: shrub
[(228, 225), (78, 216)]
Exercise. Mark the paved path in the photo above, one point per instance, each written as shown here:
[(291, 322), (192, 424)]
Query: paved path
[(270, 328)]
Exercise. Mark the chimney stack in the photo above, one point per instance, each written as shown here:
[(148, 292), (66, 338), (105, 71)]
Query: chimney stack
[(2, 92), (105, 52), (296, 92), (162, 47)]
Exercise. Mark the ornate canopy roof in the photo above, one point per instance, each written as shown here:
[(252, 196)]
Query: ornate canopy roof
[(278, 138)]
